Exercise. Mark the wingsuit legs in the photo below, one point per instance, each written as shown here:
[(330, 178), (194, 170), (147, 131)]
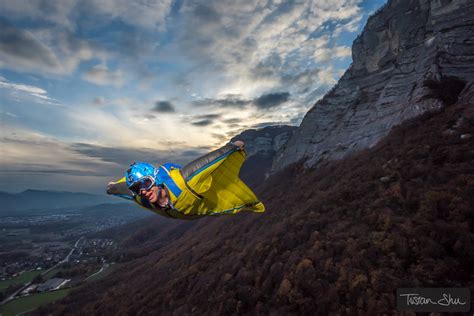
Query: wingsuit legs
[(214, 181)]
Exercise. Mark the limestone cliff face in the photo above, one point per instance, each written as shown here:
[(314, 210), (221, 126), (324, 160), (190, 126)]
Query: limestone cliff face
[(266, 140), (261, 145), (413, 56)]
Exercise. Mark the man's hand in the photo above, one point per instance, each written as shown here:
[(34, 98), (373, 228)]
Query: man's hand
[(239, 143), (119, 188), (111, 187)]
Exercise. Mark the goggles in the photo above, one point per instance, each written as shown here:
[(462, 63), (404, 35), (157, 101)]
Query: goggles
[(144, 183)]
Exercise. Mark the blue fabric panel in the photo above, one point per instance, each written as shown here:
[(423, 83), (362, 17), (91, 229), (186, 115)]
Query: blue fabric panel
[(164, 178), (125, 196), (170, 165)]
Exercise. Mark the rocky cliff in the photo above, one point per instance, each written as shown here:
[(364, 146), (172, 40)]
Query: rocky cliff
[(261, 146), (412, 56), (265, 140)]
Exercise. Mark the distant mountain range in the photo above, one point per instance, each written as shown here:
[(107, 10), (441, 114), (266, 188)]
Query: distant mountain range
[(38, 199)]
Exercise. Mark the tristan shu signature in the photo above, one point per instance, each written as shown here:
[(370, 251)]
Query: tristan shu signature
[(446, 300)]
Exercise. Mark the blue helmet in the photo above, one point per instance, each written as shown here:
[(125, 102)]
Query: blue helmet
[(139, 170)]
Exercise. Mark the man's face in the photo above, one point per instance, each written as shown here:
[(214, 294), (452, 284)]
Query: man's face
[(151, 195)]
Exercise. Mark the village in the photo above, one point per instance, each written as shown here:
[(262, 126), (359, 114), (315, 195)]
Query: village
[(86, 259)]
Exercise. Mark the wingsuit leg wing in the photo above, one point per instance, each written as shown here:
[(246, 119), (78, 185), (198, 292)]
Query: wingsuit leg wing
[(215, 177)]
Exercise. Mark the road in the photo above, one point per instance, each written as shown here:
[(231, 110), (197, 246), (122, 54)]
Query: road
[(65, 259), (106, 265)]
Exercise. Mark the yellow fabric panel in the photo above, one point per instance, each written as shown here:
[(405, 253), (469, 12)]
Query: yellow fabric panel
[(187, 201), (203, 185), (166, 213), (197, 181)]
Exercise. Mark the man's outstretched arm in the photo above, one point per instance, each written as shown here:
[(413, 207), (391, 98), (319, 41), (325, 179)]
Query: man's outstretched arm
[(120, 189)]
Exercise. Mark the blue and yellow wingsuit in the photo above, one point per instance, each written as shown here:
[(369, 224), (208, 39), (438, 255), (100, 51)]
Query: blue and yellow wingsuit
[(208, 186)]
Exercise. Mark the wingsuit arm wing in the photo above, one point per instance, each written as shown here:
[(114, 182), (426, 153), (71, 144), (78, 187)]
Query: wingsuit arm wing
[(215, 157), (120, 189)]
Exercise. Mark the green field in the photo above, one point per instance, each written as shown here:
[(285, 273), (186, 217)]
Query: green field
[(51, 273), (23, 278), (28, 303)]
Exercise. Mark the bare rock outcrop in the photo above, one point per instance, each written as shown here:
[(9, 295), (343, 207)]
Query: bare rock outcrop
[(261, 145), (267, 140), (413, 56)]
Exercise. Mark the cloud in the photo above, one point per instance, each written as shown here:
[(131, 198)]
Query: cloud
[(68, 152), (304, 79), (164, 107), (20, 49), (206, 14), (342, 51), (67, 14), (260, 46), (124, 156), (268, 67), (43, 51), (352, 25), (219, 137), (99, 101), (117, 155), (243, 49), (146, 14), (31, 160), (202, 119), (57, 36), (325, 54), (54, 46), (264, 101), (42, 160), (265, 124), (57, 13), (24, 88), (193, 154), (297, 120), (56, 156), (121, 102), (8, 114), (42, 169), (208, 116), (326, 76), (271, 100), (101, 75), (38, 94), (232, 121), (203, 122), (231, 101)]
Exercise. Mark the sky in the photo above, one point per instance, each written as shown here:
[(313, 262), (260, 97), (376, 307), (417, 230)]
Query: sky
[(88, 87)]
